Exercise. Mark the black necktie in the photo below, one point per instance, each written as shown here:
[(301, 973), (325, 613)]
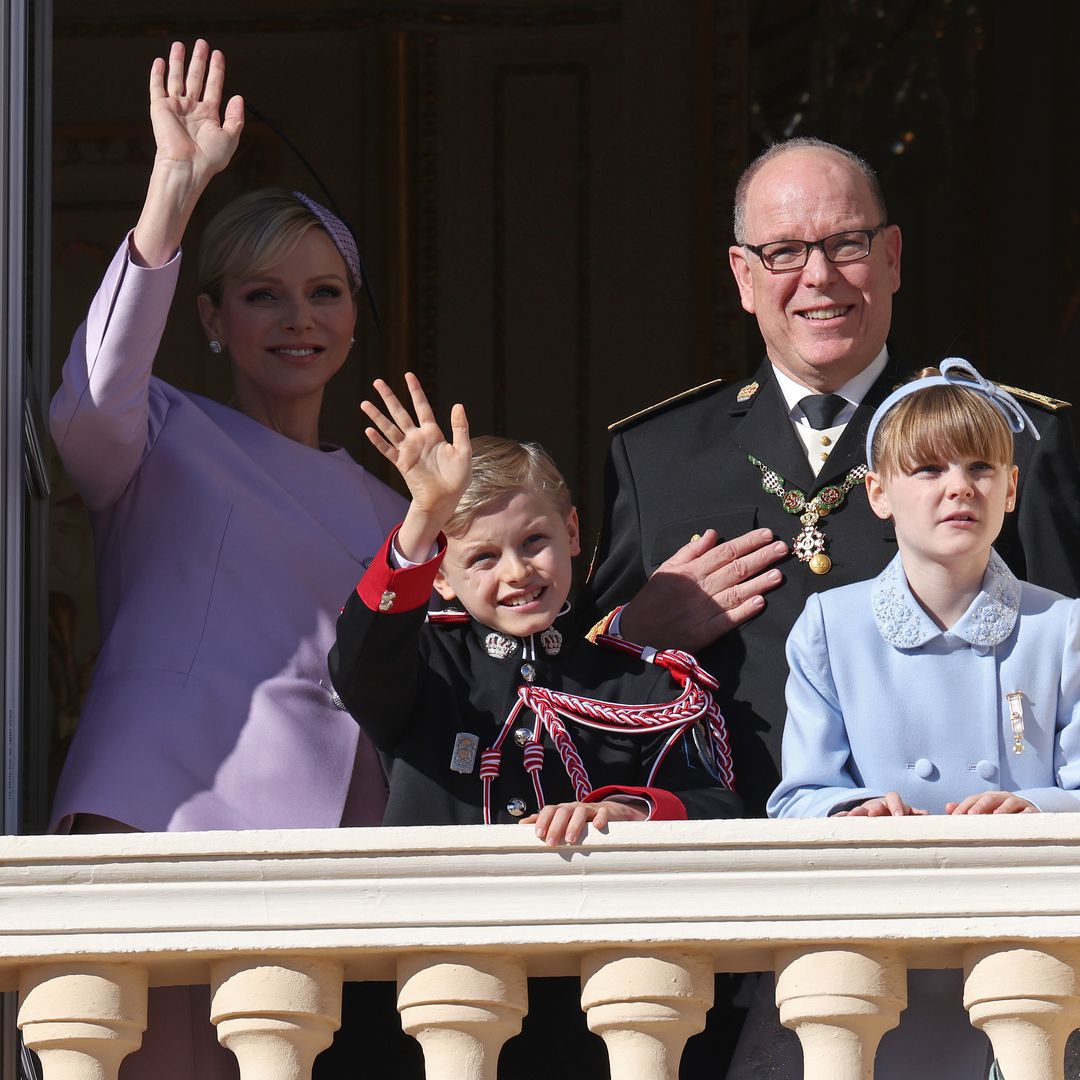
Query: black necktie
[(822, 409)]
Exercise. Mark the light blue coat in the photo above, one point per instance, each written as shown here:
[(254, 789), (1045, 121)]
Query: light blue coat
[(880, 699)]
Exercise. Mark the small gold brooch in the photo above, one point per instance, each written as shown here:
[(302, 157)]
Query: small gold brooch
[(1016, 719), (747, 392), (387, 600)]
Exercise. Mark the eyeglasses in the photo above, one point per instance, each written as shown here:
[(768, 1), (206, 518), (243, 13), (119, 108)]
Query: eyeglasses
[(842, 247)]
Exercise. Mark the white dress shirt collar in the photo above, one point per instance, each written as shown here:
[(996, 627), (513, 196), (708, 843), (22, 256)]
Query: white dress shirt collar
[(854, 390), (816, 444)]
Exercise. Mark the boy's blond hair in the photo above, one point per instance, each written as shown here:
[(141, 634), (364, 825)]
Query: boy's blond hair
[(939, 423), (500, 469)]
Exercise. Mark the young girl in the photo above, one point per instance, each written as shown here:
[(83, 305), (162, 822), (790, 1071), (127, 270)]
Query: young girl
[(943, 686), (502, 711)]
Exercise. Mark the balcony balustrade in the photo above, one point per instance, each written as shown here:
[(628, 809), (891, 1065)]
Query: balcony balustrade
[(460, 916)]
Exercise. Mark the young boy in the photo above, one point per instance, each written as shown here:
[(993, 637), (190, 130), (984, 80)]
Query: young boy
[(502, 712)]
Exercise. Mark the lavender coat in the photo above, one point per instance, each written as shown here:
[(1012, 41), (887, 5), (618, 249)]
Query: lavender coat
[(224, 553)]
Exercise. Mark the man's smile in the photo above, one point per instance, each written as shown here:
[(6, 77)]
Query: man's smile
[(825, 314)]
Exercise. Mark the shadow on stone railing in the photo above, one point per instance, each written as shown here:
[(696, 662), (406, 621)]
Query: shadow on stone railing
[(274, 921)]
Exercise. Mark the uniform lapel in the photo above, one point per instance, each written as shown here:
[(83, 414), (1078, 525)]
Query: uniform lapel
[(766, 432)]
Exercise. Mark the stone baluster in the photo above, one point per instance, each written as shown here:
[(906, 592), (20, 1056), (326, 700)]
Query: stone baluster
[(1028, 1002), (840, 1002), (461, 1008), (276, 1016), (645, 1008), (82, 1020)]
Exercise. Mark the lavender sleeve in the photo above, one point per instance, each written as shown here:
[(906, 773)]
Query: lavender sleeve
[(100, 417)]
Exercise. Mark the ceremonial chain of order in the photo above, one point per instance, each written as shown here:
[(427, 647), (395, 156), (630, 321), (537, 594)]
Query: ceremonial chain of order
[(809, 544)]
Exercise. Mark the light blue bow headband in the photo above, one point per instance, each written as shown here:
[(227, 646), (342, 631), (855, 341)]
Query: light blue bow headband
[(1005, 403)]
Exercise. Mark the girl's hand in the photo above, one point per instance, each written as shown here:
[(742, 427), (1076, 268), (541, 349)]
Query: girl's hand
[(185, 113), (436, 472), (559, 822), (888, 805), (992, 802)]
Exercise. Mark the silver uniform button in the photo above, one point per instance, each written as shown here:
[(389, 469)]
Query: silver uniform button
[(523, 736), (516, 807), (528, 672)]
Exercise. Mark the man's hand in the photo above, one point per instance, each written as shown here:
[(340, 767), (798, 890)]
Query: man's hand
[(704, 590), (888, 805)]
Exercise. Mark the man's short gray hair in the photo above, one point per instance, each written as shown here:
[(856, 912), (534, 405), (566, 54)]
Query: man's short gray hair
[(803, 142)]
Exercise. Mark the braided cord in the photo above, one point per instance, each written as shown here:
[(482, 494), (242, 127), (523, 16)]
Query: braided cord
[(694, 705), (491, 759), (571, 759)]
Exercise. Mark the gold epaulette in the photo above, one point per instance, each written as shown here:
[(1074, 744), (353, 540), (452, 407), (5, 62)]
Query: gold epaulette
[(657, 406), (1051, 403)]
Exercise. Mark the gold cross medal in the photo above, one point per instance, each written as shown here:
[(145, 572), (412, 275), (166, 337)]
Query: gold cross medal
[(808, 545)]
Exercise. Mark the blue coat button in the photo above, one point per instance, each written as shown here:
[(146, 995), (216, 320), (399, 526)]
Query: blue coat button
[(924, 768), (986, 769)]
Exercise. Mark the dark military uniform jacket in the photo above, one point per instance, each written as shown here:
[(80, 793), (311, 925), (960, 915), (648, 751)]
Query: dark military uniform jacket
[(685, 467), (415, 685)]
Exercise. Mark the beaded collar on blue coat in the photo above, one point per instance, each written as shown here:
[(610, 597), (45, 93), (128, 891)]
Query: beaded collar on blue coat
[(988, 621)]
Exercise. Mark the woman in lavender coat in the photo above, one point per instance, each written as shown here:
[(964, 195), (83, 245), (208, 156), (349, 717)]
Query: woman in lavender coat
[(225, 536)]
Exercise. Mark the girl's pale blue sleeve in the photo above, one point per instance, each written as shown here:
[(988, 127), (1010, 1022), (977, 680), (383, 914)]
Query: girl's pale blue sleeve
[(817, 779), (1065, 795)]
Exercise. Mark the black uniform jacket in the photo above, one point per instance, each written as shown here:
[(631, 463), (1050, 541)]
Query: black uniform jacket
[(684, 468), (415, 685)]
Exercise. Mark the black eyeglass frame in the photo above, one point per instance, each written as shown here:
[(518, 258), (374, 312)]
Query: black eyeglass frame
[(809, 246)]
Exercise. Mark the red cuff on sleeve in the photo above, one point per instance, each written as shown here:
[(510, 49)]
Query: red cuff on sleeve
[(665, 805), (384, 588)]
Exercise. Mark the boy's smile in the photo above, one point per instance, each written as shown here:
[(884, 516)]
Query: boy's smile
[(512, 568)]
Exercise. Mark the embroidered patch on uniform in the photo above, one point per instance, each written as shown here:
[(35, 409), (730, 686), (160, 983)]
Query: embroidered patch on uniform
[(463, 759), (551, 641), (747, 392), (499, 647)]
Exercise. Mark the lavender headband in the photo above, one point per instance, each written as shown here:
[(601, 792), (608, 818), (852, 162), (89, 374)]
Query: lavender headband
[(970, 379), (339, 232)]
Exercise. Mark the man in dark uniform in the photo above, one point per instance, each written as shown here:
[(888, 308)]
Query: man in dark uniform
[(727, 506)]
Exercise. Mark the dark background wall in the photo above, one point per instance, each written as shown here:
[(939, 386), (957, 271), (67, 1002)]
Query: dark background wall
[(542, 192)]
